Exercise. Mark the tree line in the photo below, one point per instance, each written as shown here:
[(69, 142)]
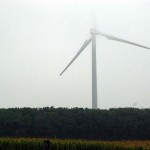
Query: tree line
[(76, 123)]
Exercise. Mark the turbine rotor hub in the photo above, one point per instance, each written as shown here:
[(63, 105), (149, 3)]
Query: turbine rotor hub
[(93, 31)]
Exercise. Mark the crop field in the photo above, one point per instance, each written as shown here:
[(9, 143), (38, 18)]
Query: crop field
[(56, 144)]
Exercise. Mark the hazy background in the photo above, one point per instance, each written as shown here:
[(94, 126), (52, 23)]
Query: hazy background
[(39, 37)]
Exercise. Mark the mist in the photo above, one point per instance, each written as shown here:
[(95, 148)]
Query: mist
[(39, 38)]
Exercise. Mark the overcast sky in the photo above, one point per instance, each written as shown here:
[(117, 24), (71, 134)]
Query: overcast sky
[(39, 37)]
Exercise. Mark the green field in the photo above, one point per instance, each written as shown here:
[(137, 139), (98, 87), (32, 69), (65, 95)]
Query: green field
[(56, 144)]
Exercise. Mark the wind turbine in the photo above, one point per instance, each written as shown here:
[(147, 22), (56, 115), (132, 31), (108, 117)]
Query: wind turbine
[(94, 32)]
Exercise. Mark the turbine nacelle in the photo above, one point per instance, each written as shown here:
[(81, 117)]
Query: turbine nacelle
[(93, 31)]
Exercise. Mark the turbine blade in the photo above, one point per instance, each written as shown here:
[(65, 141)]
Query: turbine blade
[(78, 53), (94, 21), (110, 37)]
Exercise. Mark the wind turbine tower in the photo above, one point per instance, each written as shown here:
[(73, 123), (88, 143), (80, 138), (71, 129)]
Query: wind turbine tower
[(94, 70)]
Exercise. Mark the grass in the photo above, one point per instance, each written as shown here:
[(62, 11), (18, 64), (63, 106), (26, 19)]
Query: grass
[(68, 144)]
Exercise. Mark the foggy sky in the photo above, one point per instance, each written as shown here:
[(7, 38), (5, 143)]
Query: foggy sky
[(38, 38)]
